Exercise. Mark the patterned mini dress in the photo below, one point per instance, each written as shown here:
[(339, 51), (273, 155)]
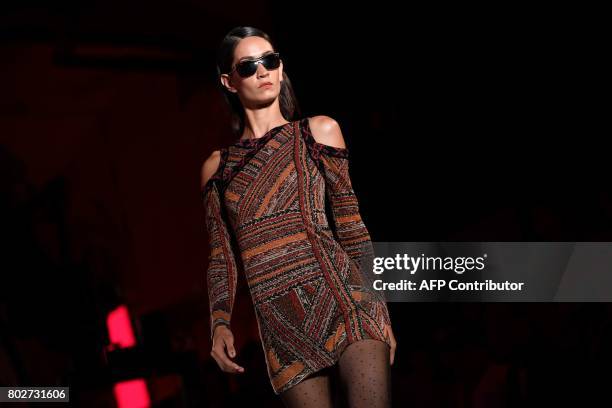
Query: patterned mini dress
[(281, 210)]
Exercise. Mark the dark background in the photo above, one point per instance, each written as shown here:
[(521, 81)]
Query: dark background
[(464, 123)]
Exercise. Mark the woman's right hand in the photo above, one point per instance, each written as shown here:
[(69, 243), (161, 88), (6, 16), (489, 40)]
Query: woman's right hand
[(223, 349)]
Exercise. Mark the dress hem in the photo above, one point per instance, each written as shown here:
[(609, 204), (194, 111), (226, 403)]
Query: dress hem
[(315, 370)]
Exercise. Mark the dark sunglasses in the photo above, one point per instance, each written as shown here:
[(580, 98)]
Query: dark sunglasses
[(248, 67)]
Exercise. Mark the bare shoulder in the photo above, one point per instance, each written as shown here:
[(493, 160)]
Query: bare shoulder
[(326, 130), (209, 167)]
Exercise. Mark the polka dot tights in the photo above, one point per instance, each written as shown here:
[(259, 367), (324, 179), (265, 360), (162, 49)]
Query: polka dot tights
[(364, 376)]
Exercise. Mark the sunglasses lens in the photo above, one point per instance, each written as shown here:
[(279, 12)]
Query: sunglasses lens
[(248, 68), (271, 61)]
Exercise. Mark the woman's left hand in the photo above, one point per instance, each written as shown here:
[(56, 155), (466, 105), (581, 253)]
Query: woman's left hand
[(389, 333)]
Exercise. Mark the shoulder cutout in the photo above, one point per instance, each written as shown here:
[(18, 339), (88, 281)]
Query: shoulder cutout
[(211, 169), (322, 134), (326, 131)]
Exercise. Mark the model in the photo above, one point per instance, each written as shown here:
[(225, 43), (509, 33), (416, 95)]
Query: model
[(265, 203)]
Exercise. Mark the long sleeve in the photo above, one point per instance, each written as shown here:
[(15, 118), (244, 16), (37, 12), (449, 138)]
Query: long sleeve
[(222, 270), (348, 226)]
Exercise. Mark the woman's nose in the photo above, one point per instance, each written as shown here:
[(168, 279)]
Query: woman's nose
[(261, 70)]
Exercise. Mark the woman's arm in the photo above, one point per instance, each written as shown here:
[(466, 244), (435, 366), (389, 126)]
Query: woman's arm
[(327, 146), (222, 271)]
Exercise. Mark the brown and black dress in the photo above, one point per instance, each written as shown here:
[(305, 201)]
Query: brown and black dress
[(266, 216)]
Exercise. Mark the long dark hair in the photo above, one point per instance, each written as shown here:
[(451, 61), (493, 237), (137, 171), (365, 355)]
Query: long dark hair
[(288, 102)]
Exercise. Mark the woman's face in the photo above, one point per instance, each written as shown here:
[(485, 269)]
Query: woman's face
[(250, 90)]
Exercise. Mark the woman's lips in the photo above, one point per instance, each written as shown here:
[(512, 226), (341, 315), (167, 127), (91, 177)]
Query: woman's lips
[(266, 84)]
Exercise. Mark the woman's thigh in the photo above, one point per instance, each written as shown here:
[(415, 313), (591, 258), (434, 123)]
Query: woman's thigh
[(313, 391), (365, 374)]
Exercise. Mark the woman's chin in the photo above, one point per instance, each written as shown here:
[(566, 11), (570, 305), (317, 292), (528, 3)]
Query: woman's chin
[(265, 99)]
